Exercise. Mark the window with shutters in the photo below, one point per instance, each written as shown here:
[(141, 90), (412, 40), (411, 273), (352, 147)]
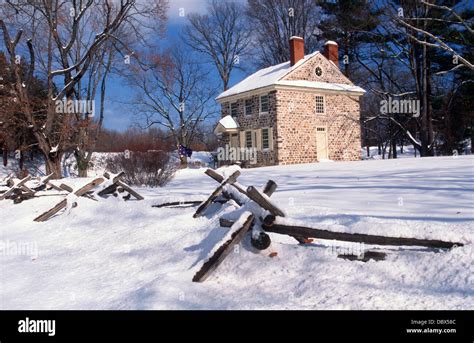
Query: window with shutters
[(319, 104), (266, 138), (248, 139)]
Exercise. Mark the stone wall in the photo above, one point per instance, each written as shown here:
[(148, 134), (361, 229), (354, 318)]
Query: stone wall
[(292, 115), (297, 122), (254, 121)]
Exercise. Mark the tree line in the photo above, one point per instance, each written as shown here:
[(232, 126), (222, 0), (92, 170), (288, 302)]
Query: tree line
[(61, 50)]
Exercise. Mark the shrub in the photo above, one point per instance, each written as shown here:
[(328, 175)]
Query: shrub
[(143, 168)]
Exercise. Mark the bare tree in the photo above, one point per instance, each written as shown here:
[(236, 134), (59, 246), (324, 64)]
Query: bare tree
[(221, 35), (53, 46), (174, 92), (273, 22), (418, 29)]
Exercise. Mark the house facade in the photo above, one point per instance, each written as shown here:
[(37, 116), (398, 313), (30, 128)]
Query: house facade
[(301, 111)]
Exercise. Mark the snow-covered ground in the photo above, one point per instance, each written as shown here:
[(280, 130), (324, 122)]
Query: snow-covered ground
[(127, 255)]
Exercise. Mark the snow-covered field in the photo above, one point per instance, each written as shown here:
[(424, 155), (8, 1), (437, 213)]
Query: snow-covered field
[(127, 255)]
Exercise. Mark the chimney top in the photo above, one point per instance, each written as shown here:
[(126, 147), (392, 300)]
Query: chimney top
[(296, 49), (331, 52)]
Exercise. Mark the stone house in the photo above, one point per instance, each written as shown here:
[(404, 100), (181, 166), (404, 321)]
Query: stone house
[(301, 111)]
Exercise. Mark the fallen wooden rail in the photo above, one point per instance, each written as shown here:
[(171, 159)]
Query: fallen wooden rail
[(59, 206), (178, 203), (270, 226), (224, 250), (205, 204)]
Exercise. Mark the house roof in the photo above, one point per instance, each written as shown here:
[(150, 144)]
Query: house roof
[(273, 75), (226, 124)]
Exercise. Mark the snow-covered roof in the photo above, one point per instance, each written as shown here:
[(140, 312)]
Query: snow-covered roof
[(225, 124), (264, 77), (272, 76), (229, 123), (321, 85)]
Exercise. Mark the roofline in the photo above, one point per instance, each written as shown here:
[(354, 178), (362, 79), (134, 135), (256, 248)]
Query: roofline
[(291, 69), (276, 86)]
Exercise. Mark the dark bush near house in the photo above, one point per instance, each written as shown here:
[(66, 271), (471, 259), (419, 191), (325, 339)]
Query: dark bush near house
[(143, 168)]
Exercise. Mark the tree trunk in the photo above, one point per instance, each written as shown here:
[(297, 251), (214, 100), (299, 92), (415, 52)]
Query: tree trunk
[(183, 162), (394, 148), (82, 172), (368, 150), (82, 164), (21, 161), (5, 154), (53, 165)]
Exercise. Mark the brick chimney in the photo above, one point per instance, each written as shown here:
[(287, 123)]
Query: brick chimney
[(296, 49), (331, 52)]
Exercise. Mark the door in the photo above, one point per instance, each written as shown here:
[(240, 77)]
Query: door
[(234, 140), (321, 143)]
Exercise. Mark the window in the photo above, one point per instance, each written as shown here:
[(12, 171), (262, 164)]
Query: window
[(318, 71), (319, 104), (266, 138), (234, 108), (248, 139), (264, 103), (248, 107)]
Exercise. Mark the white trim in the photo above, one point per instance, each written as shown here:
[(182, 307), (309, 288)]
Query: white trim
[(324, 105), (251, 139), (261, 136), (326, 138), (260, 112), (283, 86), (230, 108), (245, 107)]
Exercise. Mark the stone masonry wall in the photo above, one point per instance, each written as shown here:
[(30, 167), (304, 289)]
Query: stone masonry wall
[(255, 121), (297, 122), (292, 115)]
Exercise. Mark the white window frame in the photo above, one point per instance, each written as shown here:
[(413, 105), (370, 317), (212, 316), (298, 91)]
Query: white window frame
[(260, 104), (230, 108), (268, 138), (324, 104), (245, 107), (246, 139)]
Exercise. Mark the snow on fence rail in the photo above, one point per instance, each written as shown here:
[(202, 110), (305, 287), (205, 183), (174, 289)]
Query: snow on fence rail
[(259, 215), (18, 191)]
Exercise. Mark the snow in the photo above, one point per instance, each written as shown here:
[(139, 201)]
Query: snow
[(113, 254), (273, 76), (229, 123), (264, 77), (321, 85)]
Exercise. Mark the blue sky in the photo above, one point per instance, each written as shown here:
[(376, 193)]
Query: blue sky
[(117, 115)]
